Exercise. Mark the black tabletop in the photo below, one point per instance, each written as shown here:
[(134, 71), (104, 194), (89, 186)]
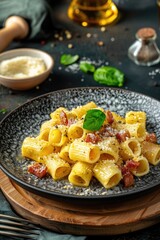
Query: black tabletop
[(85, 42), (101, 46)]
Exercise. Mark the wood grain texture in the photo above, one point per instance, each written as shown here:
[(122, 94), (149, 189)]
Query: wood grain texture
[(63, 217)]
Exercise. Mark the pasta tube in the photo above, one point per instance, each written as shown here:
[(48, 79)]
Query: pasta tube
[(62, 114), (130, 148), (107, 173), (75, 130), (82, 151), (151, 151), (81, 110), (143, 167), (57, 167), (43, 135), (137, 130), (64, 153), (58, 135), (56, 114), (109, 149), (118, 118), (133, 117), (81, 174), (47, 125), (45, 129), (35, 149)]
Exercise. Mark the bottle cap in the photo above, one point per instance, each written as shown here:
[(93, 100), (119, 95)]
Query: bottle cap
[(146, 33)]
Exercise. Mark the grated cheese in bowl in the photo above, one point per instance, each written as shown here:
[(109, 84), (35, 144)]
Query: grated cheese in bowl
[(22, 67)]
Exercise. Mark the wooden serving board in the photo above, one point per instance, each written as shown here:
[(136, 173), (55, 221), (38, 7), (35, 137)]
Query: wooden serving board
[(64, 217)]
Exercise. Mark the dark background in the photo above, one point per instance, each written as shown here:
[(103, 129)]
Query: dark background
[(117, 39)]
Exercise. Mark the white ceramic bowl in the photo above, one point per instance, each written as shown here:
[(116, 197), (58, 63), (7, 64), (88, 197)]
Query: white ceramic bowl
[(27, 82)]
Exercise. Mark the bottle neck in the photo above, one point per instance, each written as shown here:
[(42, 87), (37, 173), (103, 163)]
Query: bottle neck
[(92, 3)]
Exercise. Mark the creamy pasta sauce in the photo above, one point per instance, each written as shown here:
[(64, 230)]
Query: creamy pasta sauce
[(22, 67)]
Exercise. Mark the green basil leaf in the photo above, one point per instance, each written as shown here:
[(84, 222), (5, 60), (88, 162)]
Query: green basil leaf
[(86, 67), (109, 76), (94, 119), (67, 59), (3, 110)]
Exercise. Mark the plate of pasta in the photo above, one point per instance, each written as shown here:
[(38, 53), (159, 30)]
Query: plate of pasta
[(83, 143)]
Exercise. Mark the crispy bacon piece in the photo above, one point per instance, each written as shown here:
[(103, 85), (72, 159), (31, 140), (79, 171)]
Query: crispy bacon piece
[(132, 165), (71, 121), (122, 135), (104, 132), (63, 118), (151, 137), (92, 138), (109, 117), (37, 169), (128, 177)]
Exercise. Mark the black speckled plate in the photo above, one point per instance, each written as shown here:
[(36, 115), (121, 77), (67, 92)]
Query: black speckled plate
[(26, 120)]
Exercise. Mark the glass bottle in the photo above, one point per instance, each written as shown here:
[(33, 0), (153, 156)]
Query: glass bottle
[(93, 12), (144, 51)]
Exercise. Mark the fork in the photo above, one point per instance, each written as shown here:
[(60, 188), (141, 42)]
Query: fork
[(17, 227)]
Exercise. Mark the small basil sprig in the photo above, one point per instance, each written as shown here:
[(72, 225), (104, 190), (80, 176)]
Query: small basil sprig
[(94, 119), (106, 75), (3, 110), (68, 59), (110, 76), (87, 67)]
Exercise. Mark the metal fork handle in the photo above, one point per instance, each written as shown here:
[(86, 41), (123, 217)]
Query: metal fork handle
[(16, 221), (24, 230), (9, 234), (17, 227), (27, 225)]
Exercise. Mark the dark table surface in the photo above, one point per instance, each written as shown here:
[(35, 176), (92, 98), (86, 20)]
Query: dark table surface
[(117, 39)]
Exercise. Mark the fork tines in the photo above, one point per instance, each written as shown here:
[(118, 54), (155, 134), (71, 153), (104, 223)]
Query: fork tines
[(17, 227)]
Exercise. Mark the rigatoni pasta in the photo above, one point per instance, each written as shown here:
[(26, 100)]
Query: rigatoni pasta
[(143, 167), (58, 135), (133, 117), (109, 149), (35, 149), (81, 174), (136, 130), (57, 167), (64, 153), (80, 111), (83, 151), (151, 151), (107, 173), (75, 131), (89, 142), (130, 148)]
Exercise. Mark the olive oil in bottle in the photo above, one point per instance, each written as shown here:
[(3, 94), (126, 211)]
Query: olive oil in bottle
[(93, 12)]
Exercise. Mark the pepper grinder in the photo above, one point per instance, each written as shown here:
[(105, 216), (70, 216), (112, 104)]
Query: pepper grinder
[(144, 51)]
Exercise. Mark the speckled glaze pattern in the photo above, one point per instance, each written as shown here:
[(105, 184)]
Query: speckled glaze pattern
[(26, 120)]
